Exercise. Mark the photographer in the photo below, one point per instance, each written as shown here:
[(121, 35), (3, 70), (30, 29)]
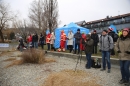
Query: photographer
[(88, 43)]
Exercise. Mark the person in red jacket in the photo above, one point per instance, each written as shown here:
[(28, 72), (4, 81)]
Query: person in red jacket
[(48, 40), (62, 41), (82, 39), (30, 40)]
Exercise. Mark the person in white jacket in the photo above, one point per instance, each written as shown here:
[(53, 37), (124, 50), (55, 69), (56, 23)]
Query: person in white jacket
[(70, 40), (52, 40)]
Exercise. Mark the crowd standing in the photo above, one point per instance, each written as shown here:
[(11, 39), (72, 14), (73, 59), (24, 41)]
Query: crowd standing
[(109, 42)]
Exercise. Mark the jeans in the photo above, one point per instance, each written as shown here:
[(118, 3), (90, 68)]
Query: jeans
[(88, 57), (124, 67), (106, 57), (48, 45), (35, 44), (77, 44)]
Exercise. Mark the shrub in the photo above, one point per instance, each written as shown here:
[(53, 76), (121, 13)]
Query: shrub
[(33, 56)]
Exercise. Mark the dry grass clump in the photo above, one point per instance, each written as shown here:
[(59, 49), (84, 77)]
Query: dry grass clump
[(33, 56), (30, 56), (71, 78)]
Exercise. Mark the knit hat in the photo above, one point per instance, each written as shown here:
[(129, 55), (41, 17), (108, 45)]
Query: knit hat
[(78, 29), (105, 31), (126, 29)]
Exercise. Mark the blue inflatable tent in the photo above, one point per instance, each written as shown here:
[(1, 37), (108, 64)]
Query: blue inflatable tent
[(71, 26), (114, 28)]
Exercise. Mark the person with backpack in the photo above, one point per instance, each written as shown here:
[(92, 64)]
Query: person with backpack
[(105, 46), (95, 37), (123, 49), (88, 44), (114, 37)]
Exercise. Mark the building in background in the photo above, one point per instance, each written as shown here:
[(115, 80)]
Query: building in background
[(120, 21)]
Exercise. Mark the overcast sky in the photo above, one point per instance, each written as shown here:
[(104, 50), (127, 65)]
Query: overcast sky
[(78, 10)]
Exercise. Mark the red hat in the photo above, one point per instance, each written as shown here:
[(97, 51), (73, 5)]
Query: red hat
[(94, 31), (126, 29)]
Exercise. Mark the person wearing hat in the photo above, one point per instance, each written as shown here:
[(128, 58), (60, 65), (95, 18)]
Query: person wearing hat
[(77, 37), (95, 37), (105, 47), (123, 49), (88, 43), (112, 34)]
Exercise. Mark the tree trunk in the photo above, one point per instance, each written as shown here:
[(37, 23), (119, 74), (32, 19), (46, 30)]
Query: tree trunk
[(1, 35)]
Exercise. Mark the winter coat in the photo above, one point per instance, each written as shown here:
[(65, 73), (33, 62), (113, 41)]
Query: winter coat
[(52, 39), (105, 43), (123, 45), (30, 38), (21, 42), (88, 46), (77, 37), (95, 39), (41, 40), (35, 38), (112, 35), (70, 38)]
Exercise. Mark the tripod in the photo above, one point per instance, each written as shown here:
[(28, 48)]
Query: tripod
[(80, 56)]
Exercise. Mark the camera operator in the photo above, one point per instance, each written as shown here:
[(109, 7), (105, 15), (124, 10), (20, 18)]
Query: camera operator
[(88, 43)]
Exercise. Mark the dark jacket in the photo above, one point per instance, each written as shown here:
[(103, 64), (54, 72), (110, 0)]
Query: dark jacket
[(41, 40), (35, 38), (77, 37), (21, 42), (88, 46), (95, 38), (111, 34)]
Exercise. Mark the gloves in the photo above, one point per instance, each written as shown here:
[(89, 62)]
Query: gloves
[(110, 50), (118, 51), (127, 52), (100, 50)]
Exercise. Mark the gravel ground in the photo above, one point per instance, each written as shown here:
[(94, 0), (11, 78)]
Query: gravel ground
[(34, 74)]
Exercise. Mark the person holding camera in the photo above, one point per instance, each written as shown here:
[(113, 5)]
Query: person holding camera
[(88, 44)]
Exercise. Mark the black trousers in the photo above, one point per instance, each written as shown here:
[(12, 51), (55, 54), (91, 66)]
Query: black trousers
[(52, 47), (42, 46), (94, 49), (48, 46), (77, 44), (70, 47)]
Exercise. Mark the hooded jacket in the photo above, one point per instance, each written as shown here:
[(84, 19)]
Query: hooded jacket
[(77, 37), (88, 45), (106, 43)]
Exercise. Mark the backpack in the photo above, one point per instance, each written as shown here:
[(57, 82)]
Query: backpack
[(95, 63)]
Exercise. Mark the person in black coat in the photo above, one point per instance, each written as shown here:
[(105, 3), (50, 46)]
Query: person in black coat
[(41, 41), (95, 37), (77, 37), (111, 33), (35, 41)]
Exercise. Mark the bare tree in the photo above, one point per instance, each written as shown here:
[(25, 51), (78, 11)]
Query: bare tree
[(35, 13), (5, 17), (50, 15), (44, 14)]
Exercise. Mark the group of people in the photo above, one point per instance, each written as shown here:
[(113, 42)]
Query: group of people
[(108, 42)]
